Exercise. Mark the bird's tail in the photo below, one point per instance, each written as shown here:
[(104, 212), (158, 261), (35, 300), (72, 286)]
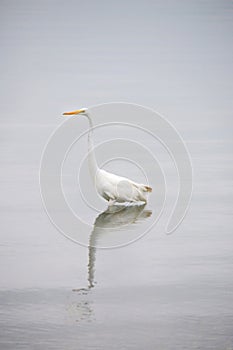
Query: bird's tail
[(147, 189)]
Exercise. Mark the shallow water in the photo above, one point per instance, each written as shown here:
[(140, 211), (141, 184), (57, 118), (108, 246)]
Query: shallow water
[(163, 291)]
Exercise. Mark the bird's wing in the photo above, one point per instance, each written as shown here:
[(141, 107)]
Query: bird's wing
[(125, 190)]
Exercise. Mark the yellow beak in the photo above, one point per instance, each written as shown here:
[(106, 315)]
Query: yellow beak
[(74, 112)]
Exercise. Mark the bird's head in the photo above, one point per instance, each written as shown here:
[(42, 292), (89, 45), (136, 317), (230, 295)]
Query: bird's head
[(82, 111)]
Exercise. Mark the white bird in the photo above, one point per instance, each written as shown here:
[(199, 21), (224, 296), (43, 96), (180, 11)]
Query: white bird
[(113, 188)]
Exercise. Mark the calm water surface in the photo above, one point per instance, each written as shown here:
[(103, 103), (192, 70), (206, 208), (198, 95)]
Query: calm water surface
[(161, 292)]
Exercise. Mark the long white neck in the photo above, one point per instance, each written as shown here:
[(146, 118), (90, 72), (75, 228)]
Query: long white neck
[(93, 167)]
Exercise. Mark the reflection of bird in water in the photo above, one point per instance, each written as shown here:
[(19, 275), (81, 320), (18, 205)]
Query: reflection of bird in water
[(111, 187), (113, 218)]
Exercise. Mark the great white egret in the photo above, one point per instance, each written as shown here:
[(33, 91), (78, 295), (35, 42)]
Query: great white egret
[(113, 188)]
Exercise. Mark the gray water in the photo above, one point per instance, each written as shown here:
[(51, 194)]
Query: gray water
[(163, 291)]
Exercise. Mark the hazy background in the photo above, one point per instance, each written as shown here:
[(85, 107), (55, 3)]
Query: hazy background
[(174, 56), (164, 292)]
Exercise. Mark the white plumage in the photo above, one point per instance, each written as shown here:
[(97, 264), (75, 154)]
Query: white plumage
[(119, 189), (113, 188)]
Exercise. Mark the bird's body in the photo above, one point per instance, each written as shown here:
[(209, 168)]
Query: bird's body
[(113, 188), (119, 189)]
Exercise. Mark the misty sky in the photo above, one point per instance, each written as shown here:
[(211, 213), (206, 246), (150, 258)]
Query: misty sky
[(173, 56)]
